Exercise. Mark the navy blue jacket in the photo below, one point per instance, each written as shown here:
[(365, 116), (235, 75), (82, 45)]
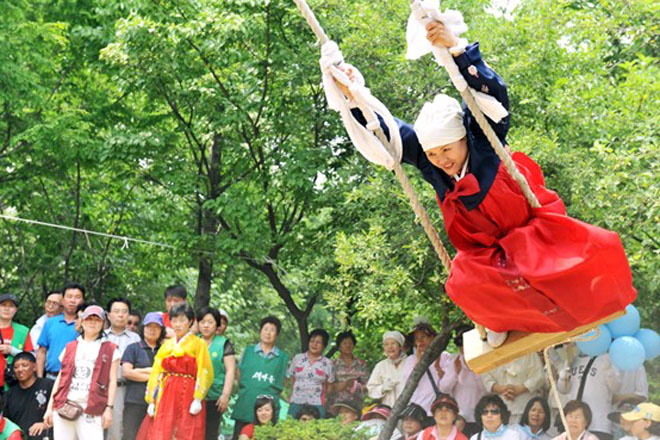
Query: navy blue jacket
[(483, 161)]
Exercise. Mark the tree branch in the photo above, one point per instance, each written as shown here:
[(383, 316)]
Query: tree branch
[(262, 103), (76, 221), (432, 352)]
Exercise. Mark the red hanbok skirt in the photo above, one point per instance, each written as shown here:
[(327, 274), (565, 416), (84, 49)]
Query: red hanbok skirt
[(537, 270), (173, 419)]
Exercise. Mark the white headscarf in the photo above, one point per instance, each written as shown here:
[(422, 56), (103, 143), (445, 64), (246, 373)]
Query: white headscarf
[(395, 335), (440, 122)]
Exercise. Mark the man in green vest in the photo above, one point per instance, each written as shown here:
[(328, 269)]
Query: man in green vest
[(262, 371), (14, 338), (8, 429)]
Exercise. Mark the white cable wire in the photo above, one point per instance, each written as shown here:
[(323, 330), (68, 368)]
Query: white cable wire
[(86, 231)]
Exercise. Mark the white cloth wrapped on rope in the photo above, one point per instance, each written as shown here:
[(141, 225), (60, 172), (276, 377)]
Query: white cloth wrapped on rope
[(428, 10), (418, 45), (362, 137)]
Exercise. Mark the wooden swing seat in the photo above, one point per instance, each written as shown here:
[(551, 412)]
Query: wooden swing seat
[(481, 357)]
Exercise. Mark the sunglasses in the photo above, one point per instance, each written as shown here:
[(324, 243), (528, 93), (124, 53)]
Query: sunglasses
[(265, 396), (493, 411)]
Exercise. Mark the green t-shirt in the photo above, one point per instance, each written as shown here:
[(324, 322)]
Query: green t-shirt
[(259, 375)]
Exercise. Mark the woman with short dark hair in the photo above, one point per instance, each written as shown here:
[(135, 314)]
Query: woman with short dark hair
[(413, 421), (578, 418), (261, 372), (352, 373), (223, 359), (312, 375), (492, 416)]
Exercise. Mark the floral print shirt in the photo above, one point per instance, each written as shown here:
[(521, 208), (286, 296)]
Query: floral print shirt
[(310, 379)]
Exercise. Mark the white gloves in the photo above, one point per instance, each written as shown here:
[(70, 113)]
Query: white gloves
[(195, 407)]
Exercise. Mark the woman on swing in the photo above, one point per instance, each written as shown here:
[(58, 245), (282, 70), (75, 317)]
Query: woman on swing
[(516, 267)]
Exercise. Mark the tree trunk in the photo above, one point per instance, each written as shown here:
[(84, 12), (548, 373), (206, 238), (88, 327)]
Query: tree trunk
[(432, 353), (209, 224), (303, 331), (204, 279)]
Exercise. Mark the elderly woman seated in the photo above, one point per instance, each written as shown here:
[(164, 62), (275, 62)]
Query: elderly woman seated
[(492, 417), (578, 419)]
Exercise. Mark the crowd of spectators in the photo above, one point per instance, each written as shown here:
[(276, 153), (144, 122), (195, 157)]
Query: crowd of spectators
[(82, 371)]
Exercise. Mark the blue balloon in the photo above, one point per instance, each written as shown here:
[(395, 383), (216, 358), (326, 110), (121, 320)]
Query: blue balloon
[(596, 346), (650, 339), (627, 353), (627, 325)]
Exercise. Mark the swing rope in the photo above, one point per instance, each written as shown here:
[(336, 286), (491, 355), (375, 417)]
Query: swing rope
[(418, 208), (551, 378), (554, 392), (501, 152), (468, 94), (446, 60)]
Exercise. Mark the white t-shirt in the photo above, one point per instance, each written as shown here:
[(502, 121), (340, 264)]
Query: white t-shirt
[(35, 332), (602, 382), (634, 382), (86, 355)]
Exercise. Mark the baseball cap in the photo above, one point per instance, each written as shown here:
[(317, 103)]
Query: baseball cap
[(445, 400), (646, 410), (377, 411), (9, 297), (153, 318), (93, 311), (625, 406)]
